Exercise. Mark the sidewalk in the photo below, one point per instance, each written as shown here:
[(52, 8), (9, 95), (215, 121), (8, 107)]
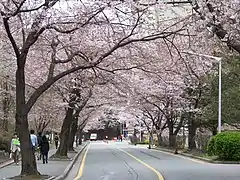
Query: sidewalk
[(53, 168)]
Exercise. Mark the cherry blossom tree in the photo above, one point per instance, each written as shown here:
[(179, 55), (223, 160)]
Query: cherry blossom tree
[(77, 36), (221, 19), (46, 112)]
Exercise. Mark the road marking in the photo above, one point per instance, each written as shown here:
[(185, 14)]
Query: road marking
[(80, 172), (159, 175), (183, 157)]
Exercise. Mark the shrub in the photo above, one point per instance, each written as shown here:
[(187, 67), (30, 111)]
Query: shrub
[(144, 142), (211, 147), (133, 139), (226, 146), (5, 141)]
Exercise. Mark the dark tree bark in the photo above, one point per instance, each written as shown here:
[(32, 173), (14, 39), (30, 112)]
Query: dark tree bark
[(214, 131), (74, 125), (29, 166), (72, 134), (150, 140), (192, 128), (64, 135), (160, 140), (172, 140), (174, 131), (172, 136), (80, 137)]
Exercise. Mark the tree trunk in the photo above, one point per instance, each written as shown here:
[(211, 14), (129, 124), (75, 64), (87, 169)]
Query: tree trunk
[(72, 134), (172, 136), (64, 135), (172, 140), (192, 127), (80, 138), (150, 140), (29, 166), (160, 140), (214, 131), (77, 138)]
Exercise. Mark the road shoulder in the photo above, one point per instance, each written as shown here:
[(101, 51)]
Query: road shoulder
[(71, 164), (53, 169), (194, 157)]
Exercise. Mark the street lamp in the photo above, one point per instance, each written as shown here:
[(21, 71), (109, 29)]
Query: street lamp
[(219, 59)]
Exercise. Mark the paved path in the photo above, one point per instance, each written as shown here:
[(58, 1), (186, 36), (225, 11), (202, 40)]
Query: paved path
[(53, 168), (120, 161)]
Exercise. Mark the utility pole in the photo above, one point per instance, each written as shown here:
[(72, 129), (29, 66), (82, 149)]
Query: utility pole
[(219, 60)]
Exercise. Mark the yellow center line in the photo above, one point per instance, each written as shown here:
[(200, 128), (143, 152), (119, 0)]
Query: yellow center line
[(80, 172), (159, 175)]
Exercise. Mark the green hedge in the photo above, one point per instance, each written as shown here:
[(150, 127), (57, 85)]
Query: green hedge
[(211, 147), (143, 142), (226, 146)]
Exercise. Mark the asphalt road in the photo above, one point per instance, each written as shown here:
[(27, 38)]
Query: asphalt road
[(120, 161)]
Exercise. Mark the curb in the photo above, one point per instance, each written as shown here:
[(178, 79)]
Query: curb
[(199, 158), (69, 167), (209, 160), (6, 163)]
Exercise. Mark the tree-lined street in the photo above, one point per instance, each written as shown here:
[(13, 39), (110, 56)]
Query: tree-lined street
[(117, 161), (159, 73)]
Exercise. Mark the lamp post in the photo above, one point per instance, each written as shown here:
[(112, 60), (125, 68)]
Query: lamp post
[(219, 59)]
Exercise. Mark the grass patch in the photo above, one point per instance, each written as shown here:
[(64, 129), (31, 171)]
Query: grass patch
[(205, 155), (200, 153), (58, 157), (31, 177)]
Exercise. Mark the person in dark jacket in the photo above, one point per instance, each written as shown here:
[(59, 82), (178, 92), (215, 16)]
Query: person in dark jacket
[(56, 139), (44, 149)]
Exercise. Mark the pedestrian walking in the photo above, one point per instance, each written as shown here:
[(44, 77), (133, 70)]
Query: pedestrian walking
[(39, 139), (44, 149), (34, 140), (15, 148), (56, 139), (121, 138)]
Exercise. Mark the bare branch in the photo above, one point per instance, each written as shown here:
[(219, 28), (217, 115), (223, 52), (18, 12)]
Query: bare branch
[(71, 56), (121, 69), (54, 45), (12, 40), (41, 89), (68, 31)]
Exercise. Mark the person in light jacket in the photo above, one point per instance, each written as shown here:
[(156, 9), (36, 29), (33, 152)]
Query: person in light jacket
[(15, 148)]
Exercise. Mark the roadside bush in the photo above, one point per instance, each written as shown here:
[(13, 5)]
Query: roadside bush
[(133, 139), (202, 141), (211, 147), (5, 141), (226, 146), (143, 142)]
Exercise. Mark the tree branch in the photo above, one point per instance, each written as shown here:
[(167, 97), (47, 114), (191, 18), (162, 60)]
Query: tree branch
[(71, 56), (41, 89), (12, 40)]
